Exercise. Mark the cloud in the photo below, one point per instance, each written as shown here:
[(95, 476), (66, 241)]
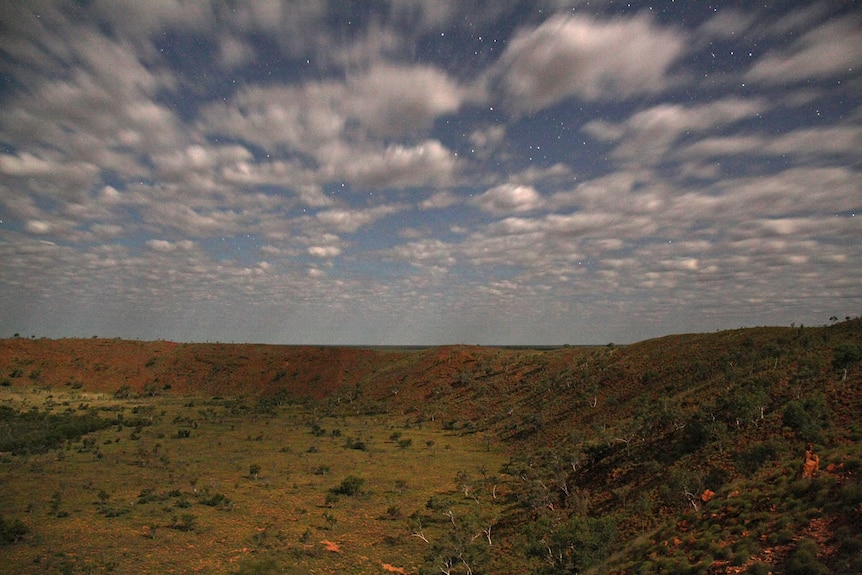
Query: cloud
[(234, 52), (834, 141), (303, 118), (349, 221), (833, 48), (509, 198), (165, 246), (813, 142), (324, 251), (141, 19), (377, 167), (391, 101), (195, 222), (318, 121), (727, 24), (590, 59), (385, 101), (38, 227), (179, 164), (396, 166), (648, 135), (440, 200), (487, 140)]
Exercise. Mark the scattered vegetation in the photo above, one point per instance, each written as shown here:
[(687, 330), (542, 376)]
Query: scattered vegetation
[(738, 451)]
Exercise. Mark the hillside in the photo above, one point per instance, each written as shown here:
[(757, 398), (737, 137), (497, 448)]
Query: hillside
[(730, 452)]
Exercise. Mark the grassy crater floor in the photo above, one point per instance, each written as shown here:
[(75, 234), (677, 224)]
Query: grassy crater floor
[(225, 485)]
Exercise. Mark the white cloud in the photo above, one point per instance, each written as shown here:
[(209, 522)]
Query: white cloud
[(722, 146), (836, 141), (812, 142), (591, 59), (324, 251), (195, 222), (38, 227), (166, 246), (107, 230), (180, 165), (303, 118), (133, 18), (349, 221), (487, 140), (648, 135), (385, 101), (727, 24), (397, 166), (234, 52), (510, 198), (24, 165), (319, 120), (440, 200), (391, 101), (675, 200), (834, 48)]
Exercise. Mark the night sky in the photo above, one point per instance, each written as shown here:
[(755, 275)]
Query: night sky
[(427, 171)]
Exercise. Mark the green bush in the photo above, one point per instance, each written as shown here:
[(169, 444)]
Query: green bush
[(846, 355), (572, 546), (37, 432), (266, 566), (751, 459), (807, 418), (216, 500), (803, 560), (12, 532), (350, 486), (759, 569)]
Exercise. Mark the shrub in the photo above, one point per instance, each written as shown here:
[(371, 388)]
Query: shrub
[(12, 532), (263, 566), (750, 460), (807, 417), (759, 569), (803, 560), (38, 432), (350, 486), (846, 355), (577, 544), (393, 512), (438, 503), (184, 523), (216, 500)]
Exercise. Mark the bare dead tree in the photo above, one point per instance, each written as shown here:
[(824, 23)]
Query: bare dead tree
[(692, 498), (417, 530), (451, 515)]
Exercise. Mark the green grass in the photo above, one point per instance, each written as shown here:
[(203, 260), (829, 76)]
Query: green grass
[(216, 486)]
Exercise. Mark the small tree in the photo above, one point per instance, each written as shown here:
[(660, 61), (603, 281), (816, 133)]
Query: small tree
[(573, 545), (253, 470), (12, 532), (350, 486)]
